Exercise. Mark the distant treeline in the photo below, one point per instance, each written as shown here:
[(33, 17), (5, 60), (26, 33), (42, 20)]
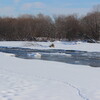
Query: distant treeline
[(30, 27)]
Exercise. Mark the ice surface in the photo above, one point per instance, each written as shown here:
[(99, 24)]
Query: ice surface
[(22, 79), (82, 46)]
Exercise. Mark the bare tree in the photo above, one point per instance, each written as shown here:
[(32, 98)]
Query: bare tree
[(96, 8), (67, 27), (91, 24), (29, 27)]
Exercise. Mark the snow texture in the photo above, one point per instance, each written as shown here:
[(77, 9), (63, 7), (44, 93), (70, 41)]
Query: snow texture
[(22, 79)]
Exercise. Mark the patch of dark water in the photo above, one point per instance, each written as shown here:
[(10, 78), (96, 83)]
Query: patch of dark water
[(66, 56)]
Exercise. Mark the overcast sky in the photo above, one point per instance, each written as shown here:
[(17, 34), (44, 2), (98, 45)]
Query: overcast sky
[(48, 7)]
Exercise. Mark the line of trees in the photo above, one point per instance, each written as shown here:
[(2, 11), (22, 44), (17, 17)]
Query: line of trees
[(72, 27)]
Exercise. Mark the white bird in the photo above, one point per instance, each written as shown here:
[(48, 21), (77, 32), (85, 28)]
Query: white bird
[(68, 55), (35, 55)]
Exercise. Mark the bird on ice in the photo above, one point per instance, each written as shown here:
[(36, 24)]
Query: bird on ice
[(35, 55)]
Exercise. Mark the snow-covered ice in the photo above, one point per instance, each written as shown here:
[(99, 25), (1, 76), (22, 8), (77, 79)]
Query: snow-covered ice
[(22, 79), (82, 46)]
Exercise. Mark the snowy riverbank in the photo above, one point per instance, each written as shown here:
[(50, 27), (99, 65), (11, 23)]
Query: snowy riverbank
[(82, 46), (23, 79)]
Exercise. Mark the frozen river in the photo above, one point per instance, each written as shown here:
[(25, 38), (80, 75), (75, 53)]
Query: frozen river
[(67, 56)]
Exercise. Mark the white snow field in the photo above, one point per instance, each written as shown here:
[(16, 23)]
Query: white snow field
[(24, 79), (58, 45)]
